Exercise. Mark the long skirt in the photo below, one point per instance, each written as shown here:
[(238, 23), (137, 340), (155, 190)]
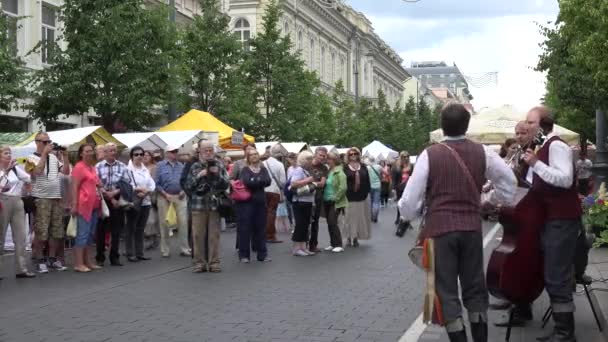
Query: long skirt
[(358, 221)]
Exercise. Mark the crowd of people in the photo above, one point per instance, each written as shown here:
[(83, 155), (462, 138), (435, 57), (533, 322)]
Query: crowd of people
[(125, 205)]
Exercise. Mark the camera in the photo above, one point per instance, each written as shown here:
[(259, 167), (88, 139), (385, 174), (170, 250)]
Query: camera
[(57, 147), (211, 163)]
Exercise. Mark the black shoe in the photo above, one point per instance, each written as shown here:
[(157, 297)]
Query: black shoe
[(116, 263), (25, 275), (143, 258), (563, 330), (479, 332), (521, 314), (584, 280), (355, 243), (132, 259), (458, 336)]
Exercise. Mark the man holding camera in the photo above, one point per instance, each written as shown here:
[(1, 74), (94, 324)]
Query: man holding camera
[(46, 170), (206, 184)]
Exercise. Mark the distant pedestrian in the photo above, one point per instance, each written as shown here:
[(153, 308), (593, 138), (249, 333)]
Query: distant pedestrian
[(274, 192), (303, 186), (583, 173), (358, 220), (375, 180), (334, 201), (86, 207), (319, 174), (385, 186), (152, 230)]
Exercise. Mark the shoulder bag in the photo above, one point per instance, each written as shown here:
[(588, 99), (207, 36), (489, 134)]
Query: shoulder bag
[(239, 192)]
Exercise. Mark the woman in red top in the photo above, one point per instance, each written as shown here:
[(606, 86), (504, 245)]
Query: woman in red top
[(86, 206)]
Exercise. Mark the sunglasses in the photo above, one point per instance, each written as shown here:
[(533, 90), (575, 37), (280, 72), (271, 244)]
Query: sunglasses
[(353, 154), (138, 154), (44, 142)]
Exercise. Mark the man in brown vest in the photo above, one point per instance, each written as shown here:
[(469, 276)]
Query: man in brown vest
[(449, 177), (553, 179)]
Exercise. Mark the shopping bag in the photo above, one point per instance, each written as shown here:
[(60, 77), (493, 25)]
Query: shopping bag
[(72, 225), (171, 217), (105, 211)]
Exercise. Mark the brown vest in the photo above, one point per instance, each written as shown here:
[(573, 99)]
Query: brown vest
[(452, 205), (559, 203)]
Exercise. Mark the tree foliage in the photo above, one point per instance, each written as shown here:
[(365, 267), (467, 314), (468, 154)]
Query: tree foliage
[(12, 74), (575, 59), (119, 61)]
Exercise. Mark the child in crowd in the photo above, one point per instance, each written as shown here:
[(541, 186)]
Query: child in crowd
[(282, 221)]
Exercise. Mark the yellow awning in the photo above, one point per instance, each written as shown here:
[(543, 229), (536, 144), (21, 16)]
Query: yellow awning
[(199, 120)]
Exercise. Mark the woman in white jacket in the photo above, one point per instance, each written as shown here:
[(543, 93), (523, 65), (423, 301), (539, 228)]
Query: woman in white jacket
[(137, 217)]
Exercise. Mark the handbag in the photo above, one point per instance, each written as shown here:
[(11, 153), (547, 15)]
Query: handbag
[(105, 210), (239, 193), (136, 200), (72, 227)]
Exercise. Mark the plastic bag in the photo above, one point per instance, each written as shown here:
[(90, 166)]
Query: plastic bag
[(171, 217), (72, 226)]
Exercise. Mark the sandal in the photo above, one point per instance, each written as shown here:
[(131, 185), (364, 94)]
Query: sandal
[(94, 267), (82, 270)]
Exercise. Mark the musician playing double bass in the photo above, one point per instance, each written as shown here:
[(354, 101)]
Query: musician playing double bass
[(552, 176), (522, 312), (448, 177)]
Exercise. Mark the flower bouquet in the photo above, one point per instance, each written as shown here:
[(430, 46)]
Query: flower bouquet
[(595, 215)]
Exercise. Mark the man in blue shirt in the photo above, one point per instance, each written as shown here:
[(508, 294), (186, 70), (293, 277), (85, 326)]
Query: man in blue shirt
[(168, 173)]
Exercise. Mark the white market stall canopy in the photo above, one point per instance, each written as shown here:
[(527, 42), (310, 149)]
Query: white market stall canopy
[(295, 147), (73, 138), (379, 151), (262, 146), (185, 139), (147, 140), (494, 126), (330, 148)]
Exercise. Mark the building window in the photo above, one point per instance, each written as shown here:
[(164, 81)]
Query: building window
[(49, 26), (312, 54), (333, 68), (322, 63), (13, 124), (58, 126), (342, 69), (300, 40), (242, 33), (286, 28), (11, 9), (441, 75)]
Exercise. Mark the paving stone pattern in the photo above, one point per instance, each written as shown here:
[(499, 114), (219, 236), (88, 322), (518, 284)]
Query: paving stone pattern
[(370, 293)]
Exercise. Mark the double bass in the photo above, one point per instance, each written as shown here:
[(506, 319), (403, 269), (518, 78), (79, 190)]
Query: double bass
[(515, 270)]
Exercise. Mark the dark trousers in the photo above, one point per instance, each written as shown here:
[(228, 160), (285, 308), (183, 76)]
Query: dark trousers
[(331, 213), (558, 241), (136, 223), (301, 214), (272, 202), (583, 186), (385, 192), (114, 224), (314, 224), (581, 258), (459, 256), (252, 229)]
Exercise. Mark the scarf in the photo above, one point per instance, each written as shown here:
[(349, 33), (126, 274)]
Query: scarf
[(357, 177)]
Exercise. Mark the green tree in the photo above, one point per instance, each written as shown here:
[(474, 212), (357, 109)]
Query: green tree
[(284, 90), (574, 58), (344, 114), (120, 62), (211, 54), (12, 74)]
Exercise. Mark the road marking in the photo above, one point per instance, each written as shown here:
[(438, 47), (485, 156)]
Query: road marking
[(417, 328)]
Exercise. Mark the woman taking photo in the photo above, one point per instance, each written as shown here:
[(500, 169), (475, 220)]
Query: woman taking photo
[(334, 201), (252, 213), (302, 185), (358, 220), (86, 206), (143, 185), (12, 180)]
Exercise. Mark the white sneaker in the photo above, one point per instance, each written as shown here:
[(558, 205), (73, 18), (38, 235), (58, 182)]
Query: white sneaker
[(338, 250), (58, 266), (42, 268), (301, 253), (328, 248)]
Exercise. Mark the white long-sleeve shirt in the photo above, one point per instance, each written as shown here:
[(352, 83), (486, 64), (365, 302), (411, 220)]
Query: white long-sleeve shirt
[(140, 178), (560, 171), (13, 181), (276, 169), (497, 171)]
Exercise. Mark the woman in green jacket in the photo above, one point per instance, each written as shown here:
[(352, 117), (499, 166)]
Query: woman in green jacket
[(334, 200)]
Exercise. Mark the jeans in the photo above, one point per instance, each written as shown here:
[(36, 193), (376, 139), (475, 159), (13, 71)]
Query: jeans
[(301, 213), (314, 225), (85, 230), (374, 196), (558, 241), (115, 224), (136, 223), (252, 229), (332, 214)]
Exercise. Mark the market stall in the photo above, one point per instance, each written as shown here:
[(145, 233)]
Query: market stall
[(146, 140), (73, 138)]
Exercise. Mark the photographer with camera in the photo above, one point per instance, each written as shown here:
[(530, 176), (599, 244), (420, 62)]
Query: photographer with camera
[(206, 186), (46, 169)]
